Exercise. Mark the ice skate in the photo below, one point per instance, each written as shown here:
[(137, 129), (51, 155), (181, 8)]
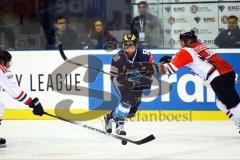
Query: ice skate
[(2, 142), (120, 128), (108, 120), (236, 115)]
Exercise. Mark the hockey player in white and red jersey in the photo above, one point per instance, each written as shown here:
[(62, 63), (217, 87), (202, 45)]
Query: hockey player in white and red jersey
[(9, 83), (210, 67)]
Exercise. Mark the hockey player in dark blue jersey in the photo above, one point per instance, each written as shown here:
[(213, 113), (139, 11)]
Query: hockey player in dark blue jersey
[(129, 82)]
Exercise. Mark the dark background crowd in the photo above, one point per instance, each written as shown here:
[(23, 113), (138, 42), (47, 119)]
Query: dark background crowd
[(89, 24)]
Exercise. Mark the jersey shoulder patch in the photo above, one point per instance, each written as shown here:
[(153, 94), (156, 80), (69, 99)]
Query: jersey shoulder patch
[(116, 57)]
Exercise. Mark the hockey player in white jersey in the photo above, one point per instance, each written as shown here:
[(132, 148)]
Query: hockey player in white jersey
[(207, 65), (9, 83)]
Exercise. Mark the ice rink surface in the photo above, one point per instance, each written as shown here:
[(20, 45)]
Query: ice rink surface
[(174, 140)]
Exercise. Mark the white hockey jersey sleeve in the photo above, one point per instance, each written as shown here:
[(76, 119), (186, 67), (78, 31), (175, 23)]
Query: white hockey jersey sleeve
[(9, 83)]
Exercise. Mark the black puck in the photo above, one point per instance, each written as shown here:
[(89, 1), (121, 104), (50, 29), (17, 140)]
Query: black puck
[(124, 142)]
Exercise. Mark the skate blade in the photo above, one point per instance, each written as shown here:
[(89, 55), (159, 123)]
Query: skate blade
[(3, 145)]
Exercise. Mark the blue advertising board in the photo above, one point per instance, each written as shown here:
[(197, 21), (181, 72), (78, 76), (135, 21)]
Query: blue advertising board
[(187, 90)]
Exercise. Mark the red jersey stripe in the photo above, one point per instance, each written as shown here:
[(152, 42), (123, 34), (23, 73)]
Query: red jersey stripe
[(3, 68), (28, 101), (171, 68), (20, 95)]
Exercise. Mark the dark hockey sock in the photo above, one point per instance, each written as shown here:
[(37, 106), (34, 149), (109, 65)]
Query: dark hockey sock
[(110, 115), (229, 114)]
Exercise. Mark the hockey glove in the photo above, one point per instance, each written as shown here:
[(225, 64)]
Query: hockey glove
[(146, 82), (143, 83), (165, 59), (133, 76), (148, 69), (37, 107)]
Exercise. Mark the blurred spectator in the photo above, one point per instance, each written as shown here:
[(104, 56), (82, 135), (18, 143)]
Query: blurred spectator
[(116, 23), (101, 38), (62, 34), (7, 37), (147, 27), (83, 25), (229, 38)]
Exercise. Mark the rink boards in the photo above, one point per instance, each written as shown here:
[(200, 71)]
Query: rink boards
[(86, 95)]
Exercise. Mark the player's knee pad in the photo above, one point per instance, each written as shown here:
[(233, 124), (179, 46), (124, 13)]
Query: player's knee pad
[(121, 111)]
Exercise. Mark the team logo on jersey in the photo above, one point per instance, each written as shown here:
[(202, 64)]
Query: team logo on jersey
[(172, 42), (197, 19), (171, 20), (114, 69), (10, 76), (224, 19), (194, 9), (168, 31), (168, 9)]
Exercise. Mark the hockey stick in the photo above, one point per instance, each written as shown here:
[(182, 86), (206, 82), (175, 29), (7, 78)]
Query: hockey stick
[(60, 48), (124, 140)]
